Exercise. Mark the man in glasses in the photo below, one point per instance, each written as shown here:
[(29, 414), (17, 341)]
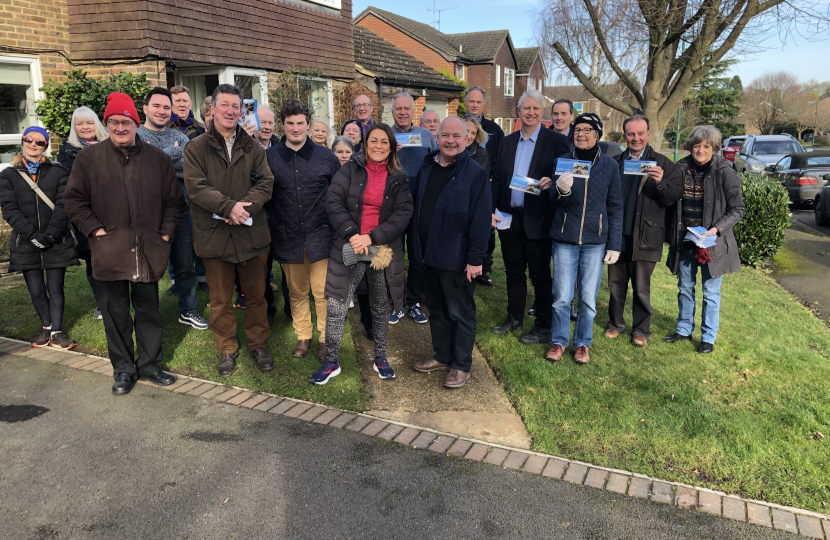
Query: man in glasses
[(363, 110), (124, 195)]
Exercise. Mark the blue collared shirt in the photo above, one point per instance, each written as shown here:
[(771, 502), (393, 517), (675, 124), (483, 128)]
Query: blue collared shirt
[(521, 165)]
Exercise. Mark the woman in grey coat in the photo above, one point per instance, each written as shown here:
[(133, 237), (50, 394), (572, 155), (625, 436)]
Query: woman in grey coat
[(711, 199)]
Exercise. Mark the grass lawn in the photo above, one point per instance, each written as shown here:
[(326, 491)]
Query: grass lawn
[(193, 352), (744, 419)]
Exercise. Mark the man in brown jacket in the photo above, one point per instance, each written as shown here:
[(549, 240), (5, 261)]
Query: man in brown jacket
[(124, 195), (228, 181)]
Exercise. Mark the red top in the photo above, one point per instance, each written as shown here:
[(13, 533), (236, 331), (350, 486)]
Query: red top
[(373, 196)]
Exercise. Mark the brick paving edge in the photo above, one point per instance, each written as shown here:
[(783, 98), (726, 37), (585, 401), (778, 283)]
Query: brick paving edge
[(489, 445)]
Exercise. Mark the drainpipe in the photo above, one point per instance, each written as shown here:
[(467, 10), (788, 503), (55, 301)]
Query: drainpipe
[(380, 101)]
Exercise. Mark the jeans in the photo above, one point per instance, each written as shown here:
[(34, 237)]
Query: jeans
[(686, 298), (572, 265), (181, 259)]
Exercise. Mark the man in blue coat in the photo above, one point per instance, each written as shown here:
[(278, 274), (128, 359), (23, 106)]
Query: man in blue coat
[(450, 228)]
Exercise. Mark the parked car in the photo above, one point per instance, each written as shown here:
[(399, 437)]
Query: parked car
[(760, 151), (611, 149), (731, 146), (821, 205), (802, 174)]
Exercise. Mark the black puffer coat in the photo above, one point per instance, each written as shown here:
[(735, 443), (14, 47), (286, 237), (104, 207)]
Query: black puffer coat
[(345, 210), (298, 202), (27, 214), (66, 157)]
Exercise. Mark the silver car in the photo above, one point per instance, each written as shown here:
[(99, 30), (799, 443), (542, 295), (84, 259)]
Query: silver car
[(760, 151)]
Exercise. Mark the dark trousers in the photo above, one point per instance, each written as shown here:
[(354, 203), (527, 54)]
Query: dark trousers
[(452, 316), (639, 274), (487, 266), (87, 258), (414, 276), (520, 253), (49, 306), (114, 299), (181, 259)]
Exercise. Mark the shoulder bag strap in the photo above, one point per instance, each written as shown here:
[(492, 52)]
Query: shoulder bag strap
[(37, 190)]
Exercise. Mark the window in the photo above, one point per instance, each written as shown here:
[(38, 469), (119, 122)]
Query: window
[(784, 164), (19, 91), (509, 81), (459, 72), (817, 161), (498, 75), (540, 83), (201, 82), (762, 148), (531, 83)]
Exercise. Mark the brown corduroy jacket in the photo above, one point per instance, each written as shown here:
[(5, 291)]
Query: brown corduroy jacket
[(134, 195)]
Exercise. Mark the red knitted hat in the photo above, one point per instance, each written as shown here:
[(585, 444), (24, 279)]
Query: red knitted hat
[(118, 103)]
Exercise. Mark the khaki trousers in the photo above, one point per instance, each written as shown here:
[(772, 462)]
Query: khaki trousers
[(220, 277), (300, 277)]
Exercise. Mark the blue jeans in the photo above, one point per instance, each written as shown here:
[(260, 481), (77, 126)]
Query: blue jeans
[(582, 266), (686, 298), (181, 260)]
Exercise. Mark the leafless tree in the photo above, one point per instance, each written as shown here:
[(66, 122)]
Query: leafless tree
[(770, 100), (676, 42)]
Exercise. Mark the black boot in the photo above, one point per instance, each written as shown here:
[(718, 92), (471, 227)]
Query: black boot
[(509, 326), (674, 338), (537, 334)]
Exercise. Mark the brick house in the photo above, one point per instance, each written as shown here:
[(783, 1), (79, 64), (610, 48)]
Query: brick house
[(198, 43), (485, 59)]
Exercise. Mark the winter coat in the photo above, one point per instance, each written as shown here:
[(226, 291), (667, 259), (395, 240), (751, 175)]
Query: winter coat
[(479, 155), (66, 157), (592, 212), (132, 193), (301, 181), (723, 207), (538, 214), (196, 127), (345, 210), (27, 214), (461, 220), (215, 184), (653, 199), (494, 138)]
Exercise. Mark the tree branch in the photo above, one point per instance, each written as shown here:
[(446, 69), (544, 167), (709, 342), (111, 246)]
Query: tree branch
[(590, 85)]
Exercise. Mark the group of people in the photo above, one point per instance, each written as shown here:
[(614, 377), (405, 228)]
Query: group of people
[(224, 200)]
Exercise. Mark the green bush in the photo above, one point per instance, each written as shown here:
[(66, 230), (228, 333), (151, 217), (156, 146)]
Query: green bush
[(62, 98), (822, 140), (615, 136), (760, 234)]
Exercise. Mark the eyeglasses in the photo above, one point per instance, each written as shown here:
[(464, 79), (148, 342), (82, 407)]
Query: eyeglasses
[(586, 131), (362, 106), (38, 142), (123, 123)]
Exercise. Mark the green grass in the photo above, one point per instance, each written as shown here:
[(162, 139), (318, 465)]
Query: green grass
[(741, 420), (192, 352)]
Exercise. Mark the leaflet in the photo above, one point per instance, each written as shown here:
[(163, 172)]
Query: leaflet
[(523, 183), (506, 220), (248, 222), (577, 167), (698, 236), (408, 139), (641, 168)]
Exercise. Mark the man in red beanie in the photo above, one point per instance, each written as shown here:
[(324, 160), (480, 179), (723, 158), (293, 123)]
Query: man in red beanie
[(124, 195)]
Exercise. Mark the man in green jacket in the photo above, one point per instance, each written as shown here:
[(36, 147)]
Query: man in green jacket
[(228, 181)]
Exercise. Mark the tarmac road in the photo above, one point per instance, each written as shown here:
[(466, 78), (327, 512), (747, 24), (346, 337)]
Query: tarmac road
[(80, 463)]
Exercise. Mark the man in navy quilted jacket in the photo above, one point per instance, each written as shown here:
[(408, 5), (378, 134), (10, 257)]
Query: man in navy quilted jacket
[(586, 231)]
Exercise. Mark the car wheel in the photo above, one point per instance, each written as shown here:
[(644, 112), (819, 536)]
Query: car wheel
[(818, 209)]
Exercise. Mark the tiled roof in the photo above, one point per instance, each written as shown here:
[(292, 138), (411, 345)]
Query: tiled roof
[(477, 46), (423, 31), (391, 63), (525, 58)]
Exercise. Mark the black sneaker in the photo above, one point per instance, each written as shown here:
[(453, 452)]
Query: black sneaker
[(536, 335), (61, 341), (192, 318), (171, 291), (240, 302), (203, 286), (43, 338), (674, 338)]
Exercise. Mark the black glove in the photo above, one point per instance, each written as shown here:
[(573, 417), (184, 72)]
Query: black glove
[(41, 240)]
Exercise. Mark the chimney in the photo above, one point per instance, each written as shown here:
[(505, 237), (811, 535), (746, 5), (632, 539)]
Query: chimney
[(461, 48)]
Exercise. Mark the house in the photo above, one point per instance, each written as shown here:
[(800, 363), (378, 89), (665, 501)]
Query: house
[(386, 70), (485, 59), (531, 73), (197, 43), (585, 102)]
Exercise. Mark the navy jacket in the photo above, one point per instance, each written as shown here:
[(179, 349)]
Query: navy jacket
[(595, 218), (460, 227), (494, 138)]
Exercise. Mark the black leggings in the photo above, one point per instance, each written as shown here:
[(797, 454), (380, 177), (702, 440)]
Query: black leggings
[(49, 307)]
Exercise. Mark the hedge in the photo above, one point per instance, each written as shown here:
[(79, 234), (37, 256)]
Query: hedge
[(760, 234)]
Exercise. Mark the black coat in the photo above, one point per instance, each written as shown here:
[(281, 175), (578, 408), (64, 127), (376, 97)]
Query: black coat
[(653, 199), (66, 157), (538, 212), (345, 210), (480, 156), (298, 203), (494, 138), (27, 214)]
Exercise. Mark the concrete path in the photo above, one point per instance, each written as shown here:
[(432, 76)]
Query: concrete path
[(81, 463), (802, 267), (479, 410)]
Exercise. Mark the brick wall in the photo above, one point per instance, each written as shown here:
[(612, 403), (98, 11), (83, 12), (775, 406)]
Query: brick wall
[(42, 25), (409, 45)]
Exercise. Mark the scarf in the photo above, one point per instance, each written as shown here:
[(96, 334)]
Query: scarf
[(180, 123), (33, 167), (588, 154)]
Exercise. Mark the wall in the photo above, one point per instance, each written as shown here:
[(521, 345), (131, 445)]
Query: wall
[(409, 45), (484, 75)]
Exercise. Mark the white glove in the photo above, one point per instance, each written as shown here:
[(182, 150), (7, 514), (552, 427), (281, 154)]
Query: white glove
[(564, 183), (611, 256)]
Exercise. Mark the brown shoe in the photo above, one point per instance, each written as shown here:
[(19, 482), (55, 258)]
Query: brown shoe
[(555, 352), (227, 364), (611, 333), (264, 362), (639, 341), (429, 365), (301, 348), (321, 352), (581, 355), (456, 378)]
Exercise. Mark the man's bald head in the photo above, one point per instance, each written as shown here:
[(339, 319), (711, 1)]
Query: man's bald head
[(266, 123), (363, 108), (452, 134)]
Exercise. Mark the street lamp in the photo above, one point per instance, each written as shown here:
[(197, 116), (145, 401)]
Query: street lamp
[(815, 126)]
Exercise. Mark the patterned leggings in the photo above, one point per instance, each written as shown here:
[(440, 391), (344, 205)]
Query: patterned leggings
[(337, 310)]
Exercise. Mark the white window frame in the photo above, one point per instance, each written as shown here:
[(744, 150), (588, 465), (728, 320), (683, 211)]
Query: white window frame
[(509, 81), (226, 76), (333, 4), (37, 82), (461, 72), (498, 75), (329, 96)]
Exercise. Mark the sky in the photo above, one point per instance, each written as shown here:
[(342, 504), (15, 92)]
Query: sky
[(799, 57)]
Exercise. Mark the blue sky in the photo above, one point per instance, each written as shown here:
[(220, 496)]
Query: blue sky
[(798, 57)]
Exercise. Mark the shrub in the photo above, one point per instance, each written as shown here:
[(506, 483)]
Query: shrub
[(615, 136), (822, 140), (62, 98), (760, 234), (293, 83)]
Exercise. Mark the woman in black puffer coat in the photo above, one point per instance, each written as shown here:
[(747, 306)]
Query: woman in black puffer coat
[(40, 241)]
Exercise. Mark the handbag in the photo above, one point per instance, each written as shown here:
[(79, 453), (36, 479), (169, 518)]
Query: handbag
[(46, 200), (379, 257)]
